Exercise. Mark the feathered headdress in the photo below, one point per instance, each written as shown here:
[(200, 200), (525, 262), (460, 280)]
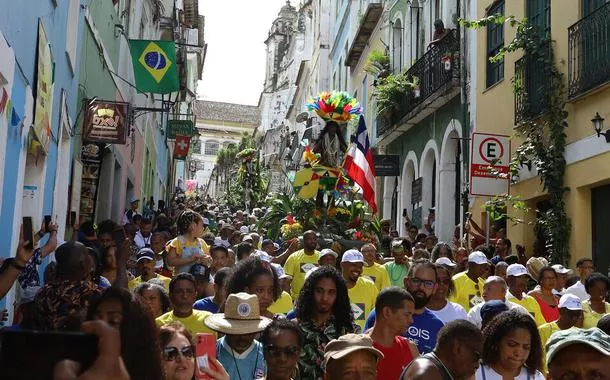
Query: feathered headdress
[(338, 106)]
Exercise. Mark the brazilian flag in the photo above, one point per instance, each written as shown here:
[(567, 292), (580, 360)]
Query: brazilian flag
[(154, 66)]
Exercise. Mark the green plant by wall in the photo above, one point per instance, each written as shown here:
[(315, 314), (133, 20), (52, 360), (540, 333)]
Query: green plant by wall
[(394, 91), (377, 64), (544, 138)]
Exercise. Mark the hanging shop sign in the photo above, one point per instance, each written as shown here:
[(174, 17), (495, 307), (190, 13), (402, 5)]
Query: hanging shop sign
[(105, 121), (44, 90), (386, 165), (91, 158), (179, 128)]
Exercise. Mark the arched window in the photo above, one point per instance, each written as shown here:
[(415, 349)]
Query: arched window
[(397, 32), (211, 148)]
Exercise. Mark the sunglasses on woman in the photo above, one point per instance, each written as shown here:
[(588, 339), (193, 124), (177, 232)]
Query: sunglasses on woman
[(276, 352), (171, 353)]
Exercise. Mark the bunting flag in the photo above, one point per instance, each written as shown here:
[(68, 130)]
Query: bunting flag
[(15, 119), (181, 147), (359, 164), (154, 66), (9, 110), (4, 100)]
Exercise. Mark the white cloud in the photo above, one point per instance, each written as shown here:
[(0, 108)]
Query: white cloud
[(235, 31)]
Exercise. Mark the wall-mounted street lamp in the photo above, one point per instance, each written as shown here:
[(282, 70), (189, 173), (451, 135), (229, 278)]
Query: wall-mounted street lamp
[(598, 125)]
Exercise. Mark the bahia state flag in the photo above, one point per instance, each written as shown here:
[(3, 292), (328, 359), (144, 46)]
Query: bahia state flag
[(154, 66)]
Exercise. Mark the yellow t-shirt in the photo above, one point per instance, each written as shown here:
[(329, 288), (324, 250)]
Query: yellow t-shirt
[(296, 266), (546, 330), (378, 274), (282, 305), (138, 280), (531, 305), (187, 249), (591, 317), (362, 297), (467, 292), (194, 323)]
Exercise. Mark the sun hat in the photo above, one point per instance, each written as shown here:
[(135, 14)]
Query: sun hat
[(348, 343), (534, 264), (560, 269), (352, 256), (445, 261), (145, 254), (328, 251), (570, 302), (593, 337), (242, 316), (477, 257), (516, 270)]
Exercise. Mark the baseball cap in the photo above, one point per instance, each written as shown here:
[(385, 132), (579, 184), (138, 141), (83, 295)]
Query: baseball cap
[(445, 261), (198, 270), (328, 251), (206, 221), (352, 256), (145, 254), (593, 337), (492, 307), (560, 269), (134, 200), (396, 245), (247, 237), (348, 343), (219, 245), (477, 257), (516, 270), (570, 302), (244, 229)]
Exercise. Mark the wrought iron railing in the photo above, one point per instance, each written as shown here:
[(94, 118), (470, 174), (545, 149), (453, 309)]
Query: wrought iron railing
[(439, 66), (531, 84), (589, 52)]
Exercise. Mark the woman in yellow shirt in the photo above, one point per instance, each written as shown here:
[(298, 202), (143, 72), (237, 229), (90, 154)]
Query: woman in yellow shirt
[(596, 307)]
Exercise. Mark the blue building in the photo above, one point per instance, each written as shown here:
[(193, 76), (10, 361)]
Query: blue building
[(39, 50)]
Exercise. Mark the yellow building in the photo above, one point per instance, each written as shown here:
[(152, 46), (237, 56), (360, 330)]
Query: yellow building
[(580, 31)]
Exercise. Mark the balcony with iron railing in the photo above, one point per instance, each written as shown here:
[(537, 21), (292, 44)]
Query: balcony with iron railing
[(589, 52), (438, 75)]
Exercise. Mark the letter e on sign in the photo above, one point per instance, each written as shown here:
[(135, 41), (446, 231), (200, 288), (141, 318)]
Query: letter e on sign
[(489, 164)]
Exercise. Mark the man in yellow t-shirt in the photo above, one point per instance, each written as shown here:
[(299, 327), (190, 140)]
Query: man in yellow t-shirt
[(372, 270), (362, 292), (570, 315), (183, 293), (301, 262), (146, 265), (517, 277), (469, 285), (282, 305)]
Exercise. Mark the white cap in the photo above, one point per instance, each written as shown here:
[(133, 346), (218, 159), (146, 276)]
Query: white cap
[(206, 221), (352, 256), (516, 270), (244, 229), (247, 237), (445, 261), (262, 255), (279, 270), (477, 257), (560, 269), (328, 251), (570, 301)]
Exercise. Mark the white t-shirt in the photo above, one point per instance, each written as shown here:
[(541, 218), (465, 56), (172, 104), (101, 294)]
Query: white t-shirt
[(579, 291), (474, 315), (450, 312), (487, 373)]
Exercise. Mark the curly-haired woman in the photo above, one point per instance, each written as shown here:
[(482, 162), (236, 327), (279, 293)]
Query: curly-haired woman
[(324, 313), (511, 348)]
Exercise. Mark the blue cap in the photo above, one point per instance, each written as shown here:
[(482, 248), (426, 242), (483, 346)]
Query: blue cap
[(492, 308)]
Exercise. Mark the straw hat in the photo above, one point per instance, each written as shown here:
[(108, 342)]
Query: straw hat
[(534, 264), (242, 316)]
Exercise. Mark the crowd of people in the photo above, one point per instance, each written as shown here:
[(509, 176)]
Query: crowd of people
[(408, 308)]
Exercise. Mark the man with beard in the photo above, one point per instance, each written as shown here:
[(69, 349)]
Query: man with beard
[(422, 283), (324, 313), (502, 250), (301, 261), (362, 291)]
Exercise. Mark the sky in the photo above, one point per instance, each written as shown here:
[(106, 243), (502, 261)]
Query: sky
[(235, 31)]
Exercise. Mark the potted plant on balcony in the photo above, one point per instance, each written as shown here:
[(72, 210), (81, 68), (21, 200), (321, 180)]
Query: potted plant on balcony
[(378, 64), (394, 92)]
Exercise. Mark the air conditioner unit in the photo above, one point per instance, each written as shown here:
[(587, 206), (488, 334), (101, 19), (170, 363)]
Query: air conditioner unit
[(191, 13)]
